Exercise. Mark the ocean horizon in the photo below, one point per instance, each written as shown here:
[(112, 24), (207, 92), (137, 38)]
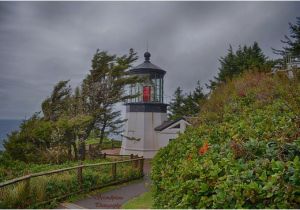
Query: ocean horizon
[(9, 125), (6, 127)]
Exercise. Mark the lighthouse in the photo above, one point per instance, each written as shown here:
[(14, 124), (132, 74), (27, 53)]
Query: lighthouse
[(144, 112), (147, 128)]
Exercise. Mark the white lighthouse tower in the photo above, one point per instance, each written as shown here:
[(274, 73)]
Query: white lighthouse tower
[(145, 112)]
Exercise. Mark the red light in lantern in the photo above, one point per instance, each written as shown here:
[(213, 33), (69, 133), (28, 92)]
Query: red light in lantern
[(146, 93)]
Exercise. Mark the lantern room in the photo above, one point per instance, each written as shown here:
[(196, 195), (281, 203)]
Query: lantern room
[(151, 89)]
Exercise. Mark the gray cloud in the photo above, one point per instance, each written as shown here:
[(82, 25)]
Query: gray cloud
[(44, 42)]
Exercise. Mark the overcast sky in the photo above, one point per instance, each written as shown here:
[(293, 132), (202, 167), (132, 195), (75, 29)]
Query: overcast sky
[(44, 42)]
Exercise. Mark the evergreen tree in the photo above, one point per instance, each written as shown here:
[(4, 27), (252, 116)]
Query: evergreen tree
[(228, 65), (292, 42), (186, 105), (193, 100), (235, 63), (198, 92), (176, 108)]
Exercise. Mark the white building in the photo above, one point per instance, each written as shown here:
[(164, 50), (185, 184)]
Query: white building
[(147, 128), (292, 64)]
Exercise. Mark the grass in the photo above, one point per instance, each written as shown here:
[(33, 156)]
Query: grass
[(143, 201), (92, 141), (106, 142)]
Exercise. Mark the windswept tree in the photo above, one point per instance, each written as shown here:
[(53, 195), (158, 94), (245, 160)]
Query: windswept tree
[(58, 103), (67, 130), (66, 112), (39, 134), (33, 138), (70, 117), (103, 88)]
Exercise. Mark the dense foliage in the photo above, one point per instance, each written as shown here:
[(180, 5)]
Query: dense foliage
[(243, 153), (41, 140)]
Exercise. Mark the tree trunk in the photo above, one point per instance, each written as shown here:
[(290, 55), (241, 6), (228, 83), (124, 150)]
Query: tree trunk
[(102, 132), (82, 139), (75, 150), (70, 152), (82, 149), (83, 146)]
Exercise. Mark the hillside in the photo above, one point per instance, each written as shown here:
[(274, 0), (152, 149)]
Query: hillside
[(243, 152)]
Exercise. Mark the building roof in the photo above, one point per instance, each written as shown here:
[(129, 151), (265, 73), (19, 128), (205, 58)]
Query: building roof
[(147, 67), (167, 124)]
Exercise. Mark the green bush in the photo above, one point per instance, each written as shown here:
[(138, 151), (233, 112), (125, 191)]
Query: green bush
[(243, 153)]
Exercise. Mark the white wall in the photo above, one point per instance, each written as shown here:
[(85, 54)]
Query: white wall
[(141, 125), (164, 139), (165, 135)]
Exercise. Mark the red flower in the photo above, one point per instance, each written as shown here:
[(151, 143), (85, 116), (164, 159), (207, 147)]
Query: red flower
[(242, 94), (203, 149)]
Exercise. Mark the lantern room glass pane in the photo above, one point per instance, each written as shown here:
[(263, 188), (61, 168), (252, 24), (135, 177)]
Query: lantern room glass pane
[(152, 87)]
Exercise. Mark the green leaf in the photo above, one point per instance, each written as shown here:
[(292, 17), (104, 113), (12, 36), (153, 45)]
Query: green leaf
[(204, 187)]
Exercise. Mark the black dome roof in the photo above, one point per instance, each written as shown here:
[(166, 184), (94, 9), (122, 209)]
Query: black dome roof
[(147, 67)]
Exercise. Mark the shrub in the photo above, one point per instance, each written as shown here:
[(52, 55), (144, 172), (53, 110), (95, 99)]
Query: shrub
[(244, 153)]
